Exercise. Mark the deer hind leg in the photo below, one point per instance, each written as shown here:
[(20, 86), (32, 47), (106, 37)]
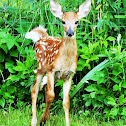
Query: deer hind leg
[(66, 99), (49, 94), (34, 95)]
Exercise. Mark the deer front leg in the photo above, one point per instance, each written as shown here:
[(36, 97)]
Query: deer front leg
[(66, 99), (49, 93), (34, 95)]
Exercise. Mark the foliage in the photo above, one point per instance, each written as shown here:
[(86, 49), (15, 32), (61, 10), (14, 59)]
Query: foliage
[(101, 52)]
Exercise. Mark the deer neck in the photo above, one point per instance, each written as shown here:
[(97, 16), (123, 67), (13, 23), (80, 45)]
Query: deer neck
[(67, 41), (69, 46)]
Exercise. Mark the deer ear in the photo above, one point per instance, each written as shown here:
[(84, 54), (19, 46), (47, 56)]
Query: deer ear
[(84, 9), (56, 9)]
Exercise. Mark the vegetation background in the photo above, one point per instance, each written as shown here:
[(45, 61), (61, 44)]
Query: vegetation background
[(99, 85)]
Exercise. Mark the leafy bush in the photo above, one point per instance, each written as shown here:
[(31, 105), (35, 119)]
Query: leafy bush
[(101, 52)]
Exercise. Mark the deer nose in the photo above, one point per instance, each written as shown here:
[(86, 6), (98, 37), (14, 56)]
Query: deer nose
[(70, 32)]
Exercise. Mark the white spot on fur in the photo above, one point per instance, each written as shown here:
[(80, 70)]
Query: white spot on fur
[(48, 56), (43, 43), (56, 51), (51, 60), (38, 59), (40, 66), (37, 50), (40, 52), (43, 63), (54, 45), (43, 47)]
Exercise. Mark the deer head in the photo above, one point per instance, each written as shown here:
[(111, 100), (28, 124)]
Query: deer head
[(70, 19)]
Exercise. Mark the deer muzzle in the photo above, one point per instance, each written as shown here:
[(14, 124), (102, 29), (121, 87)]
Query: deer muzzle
[(70, 32)]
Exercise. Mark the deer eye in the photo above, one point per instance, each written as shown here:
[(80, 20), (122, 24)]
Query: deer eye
[(63, 22), (76, 22)]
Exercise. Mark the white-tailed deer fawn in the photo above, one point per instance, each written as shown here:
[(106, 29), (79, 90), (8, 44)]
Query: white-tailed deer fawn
[(57, 58)]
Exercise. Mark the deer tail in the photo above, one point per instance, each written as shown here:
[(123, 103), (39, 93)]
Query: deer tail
[(36, 34)]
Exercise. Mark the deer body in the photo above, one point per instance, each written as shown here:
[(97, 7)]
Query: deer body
[(56, 55), (57, 58)]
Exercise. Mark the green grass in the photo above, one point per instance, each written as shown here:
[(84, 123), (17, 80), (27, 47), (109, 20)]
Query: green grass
[(23, 118)]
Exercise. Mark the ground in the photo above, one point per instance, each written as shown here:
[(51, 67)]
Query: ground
[(23, 117)]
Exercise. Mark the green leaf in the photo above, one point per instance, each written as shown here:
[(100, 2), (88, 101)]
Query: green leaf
[(84, 56), (88, 103), (94, 57), (123, 111), (86, 113), (4, 47), (93, 94), (95, 77), (7, 95), (110, 38), (91, 88), (107, 111), (124, 84), (99, 77), (101, 80), (111, 101), (9, 66), (116, 87), (122, 99), (15, 77), (2, 102), (10, 43), (116, 72), (114, 111), (20, 66), (105, 43), (28, 62), (9, 101)]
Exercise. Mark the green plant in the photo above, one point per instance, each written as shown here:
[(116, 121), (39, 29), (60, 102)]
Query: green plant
[(101, 42)]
